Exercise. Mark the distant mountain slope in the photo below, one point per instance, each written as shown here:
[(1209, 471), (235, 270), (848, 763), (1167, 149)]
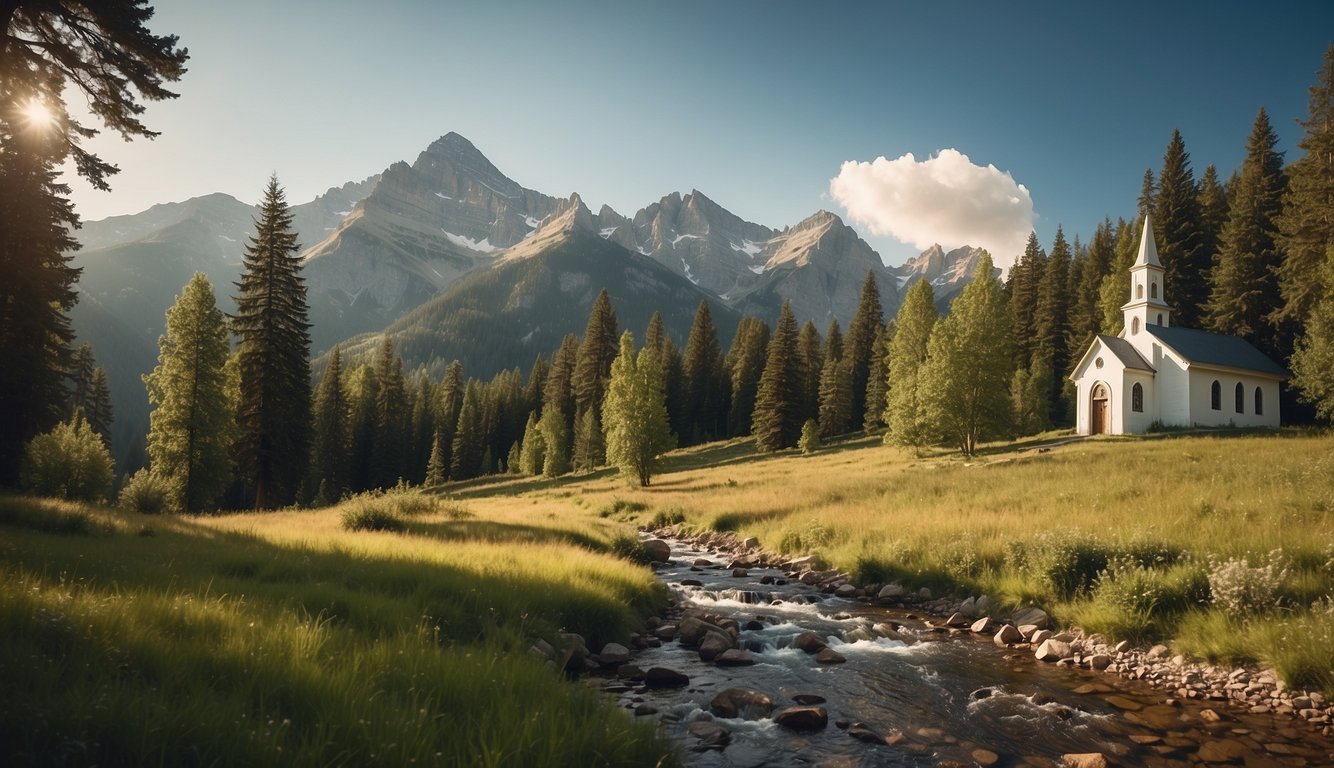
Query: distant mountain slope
[(948, 273), (525, 303), (421, 228)]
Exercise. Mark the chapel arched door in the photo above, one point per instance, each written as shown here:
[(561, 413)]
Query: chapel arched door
[(1099, 411)]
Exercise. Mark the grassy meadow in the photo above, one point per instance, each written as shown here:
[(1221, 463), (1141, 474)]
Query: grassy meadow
[(1115, 535), (285, 639), (395, 630)]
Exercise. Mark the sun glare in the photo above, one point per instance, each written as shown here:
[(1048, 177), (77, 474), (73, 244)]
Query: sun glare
[(37, 114)]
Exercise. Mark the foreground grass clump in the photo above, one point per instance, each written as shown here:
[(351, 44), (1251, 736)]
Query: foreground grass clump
[(1137, 538), (282, 639)]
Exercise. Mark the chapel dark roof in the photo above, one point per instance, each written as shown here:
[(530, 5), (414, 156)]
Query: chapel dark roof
[(1126, 353), (1216, 349)]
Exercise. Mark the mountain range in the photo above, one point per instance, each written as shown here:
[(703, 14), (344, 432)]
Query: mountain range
[(456, 260)]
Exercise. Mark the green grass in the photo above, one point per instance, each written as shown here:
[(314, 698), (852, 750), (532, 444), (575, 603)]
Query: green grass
[(282, 639), (1116, 535)]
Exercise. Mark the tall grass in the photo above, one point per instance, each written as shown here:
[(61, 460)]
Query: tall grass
[(284, 640)]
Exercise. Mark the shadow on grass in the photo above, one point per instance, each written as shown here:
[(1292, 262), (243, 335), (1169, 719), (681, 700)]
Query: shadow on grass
[(502, 533)]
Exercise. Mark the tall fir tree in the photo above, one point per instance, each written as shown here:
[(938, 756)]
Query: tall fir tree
[(706, 381), (437, 472), (969, 365), (877, 384), (1085, 315), (1245, 282), (866, 323), (1213, 212), (1115, 290), (812, 363), (1178, 231), (745, 364), (103, 53), (1030, 394), (835, 413), (391, 418), (1051, 323), (637, 431), (81, 367), (537, 381), (191, 426), (329, 455), (422, 428), (556, 441), (360, 388), (591, 371), (1306, 227), (1313, 360), (833, 340), (558, 396), (905, 407), (451, 389), (1025, 280), (532, 454), (101, 412), (467, 452), (273, 449), (1148, 195), (673, 374), (777, 420)]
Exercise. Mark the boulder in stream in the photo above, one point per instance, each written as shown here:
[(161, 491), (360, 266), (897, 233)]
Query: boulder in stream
[(661, 677), (741, 702), (810, 642), (658, 550), (803, 718)]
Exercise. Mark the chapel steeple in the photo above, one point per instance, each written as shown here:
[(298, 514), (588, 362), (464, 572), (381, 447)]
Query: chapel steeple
[(1147, 303)]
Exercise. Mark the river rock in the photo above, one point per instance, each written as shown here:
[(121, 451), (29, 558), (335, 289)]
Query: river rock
[(957, 619), (1222, 751), (1034, 616), (810, 642), (846, 590), (1084, 760), (713, 645), (691, 583), (830, 656), (711, 735), (892, 592), (734, 657), (861, 732), (801, 718), (750, 542), (613, 655), (658, 550), (740, 573), (985, 757), (981, 626), (1100, 661), (982, 605), (968, 606), (1053, 650), (741, 702), (1007, 635), (1036, 636), (661, 677), (808, 699), (665, 632)]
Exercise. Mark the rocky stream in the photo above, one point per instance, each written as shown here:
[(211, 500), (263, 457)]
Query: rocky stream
[(764, 661)]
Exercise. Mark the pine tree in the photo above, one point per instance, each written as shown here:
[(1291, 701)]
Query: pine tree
[(1148, 195), (558, 395), (589, 447), (104, 53), (812, 364), (436, 470), (360, 388), (466, 454), (1025, 280), (833, 341), (1306, 227), (101, 413), (1313, 360), (1178, 231), (905, 409), (706, 381), (592, 369), (1115, 290), (533, 453), (556, 439), (673, 375), (1245, 281), (877, 383), (745, 364), (1085, 314), (450, 404), (82, 365), (1213, 212), (777, 420), (866, 323), (835, 398), (329, 455), (969, 366), (273, 448), (391, 433), (1030, 394), (1051, 320), (191, 427), (537, 381), (636, 413), (810, 437)]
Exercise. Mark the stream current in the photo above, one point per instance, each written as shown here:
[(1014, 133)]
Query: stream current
[(940, 698)]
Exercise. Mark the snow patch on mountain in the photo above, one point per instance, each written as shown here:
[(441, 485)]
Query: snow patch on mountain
[(482, 246)]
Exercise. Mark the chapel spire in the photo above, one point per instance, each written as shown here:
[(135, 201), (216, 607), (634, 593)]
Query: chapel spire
[(1147, 305)]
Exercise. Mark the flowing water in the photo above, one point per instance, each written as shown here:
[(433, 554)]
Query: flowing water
[(924, 693)]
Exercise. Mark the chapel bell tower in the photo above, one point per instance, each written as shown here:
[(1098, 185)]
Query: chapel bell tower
[(1147, 303)]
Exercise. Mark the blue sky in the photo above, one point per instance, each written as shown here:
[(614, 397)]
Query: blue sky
[(757, 104)]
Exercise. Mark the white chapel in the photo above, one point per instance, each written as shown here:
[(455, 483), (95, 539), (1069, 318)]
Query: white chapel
[(1155, 374)]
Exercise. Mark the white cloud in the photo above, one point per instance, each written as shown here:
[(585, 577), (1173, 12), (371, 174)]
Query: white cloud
[(943, 199)]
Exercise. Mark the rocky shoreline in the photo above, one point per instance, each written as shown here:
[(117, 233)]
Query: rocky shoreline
[(1252, 690)]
